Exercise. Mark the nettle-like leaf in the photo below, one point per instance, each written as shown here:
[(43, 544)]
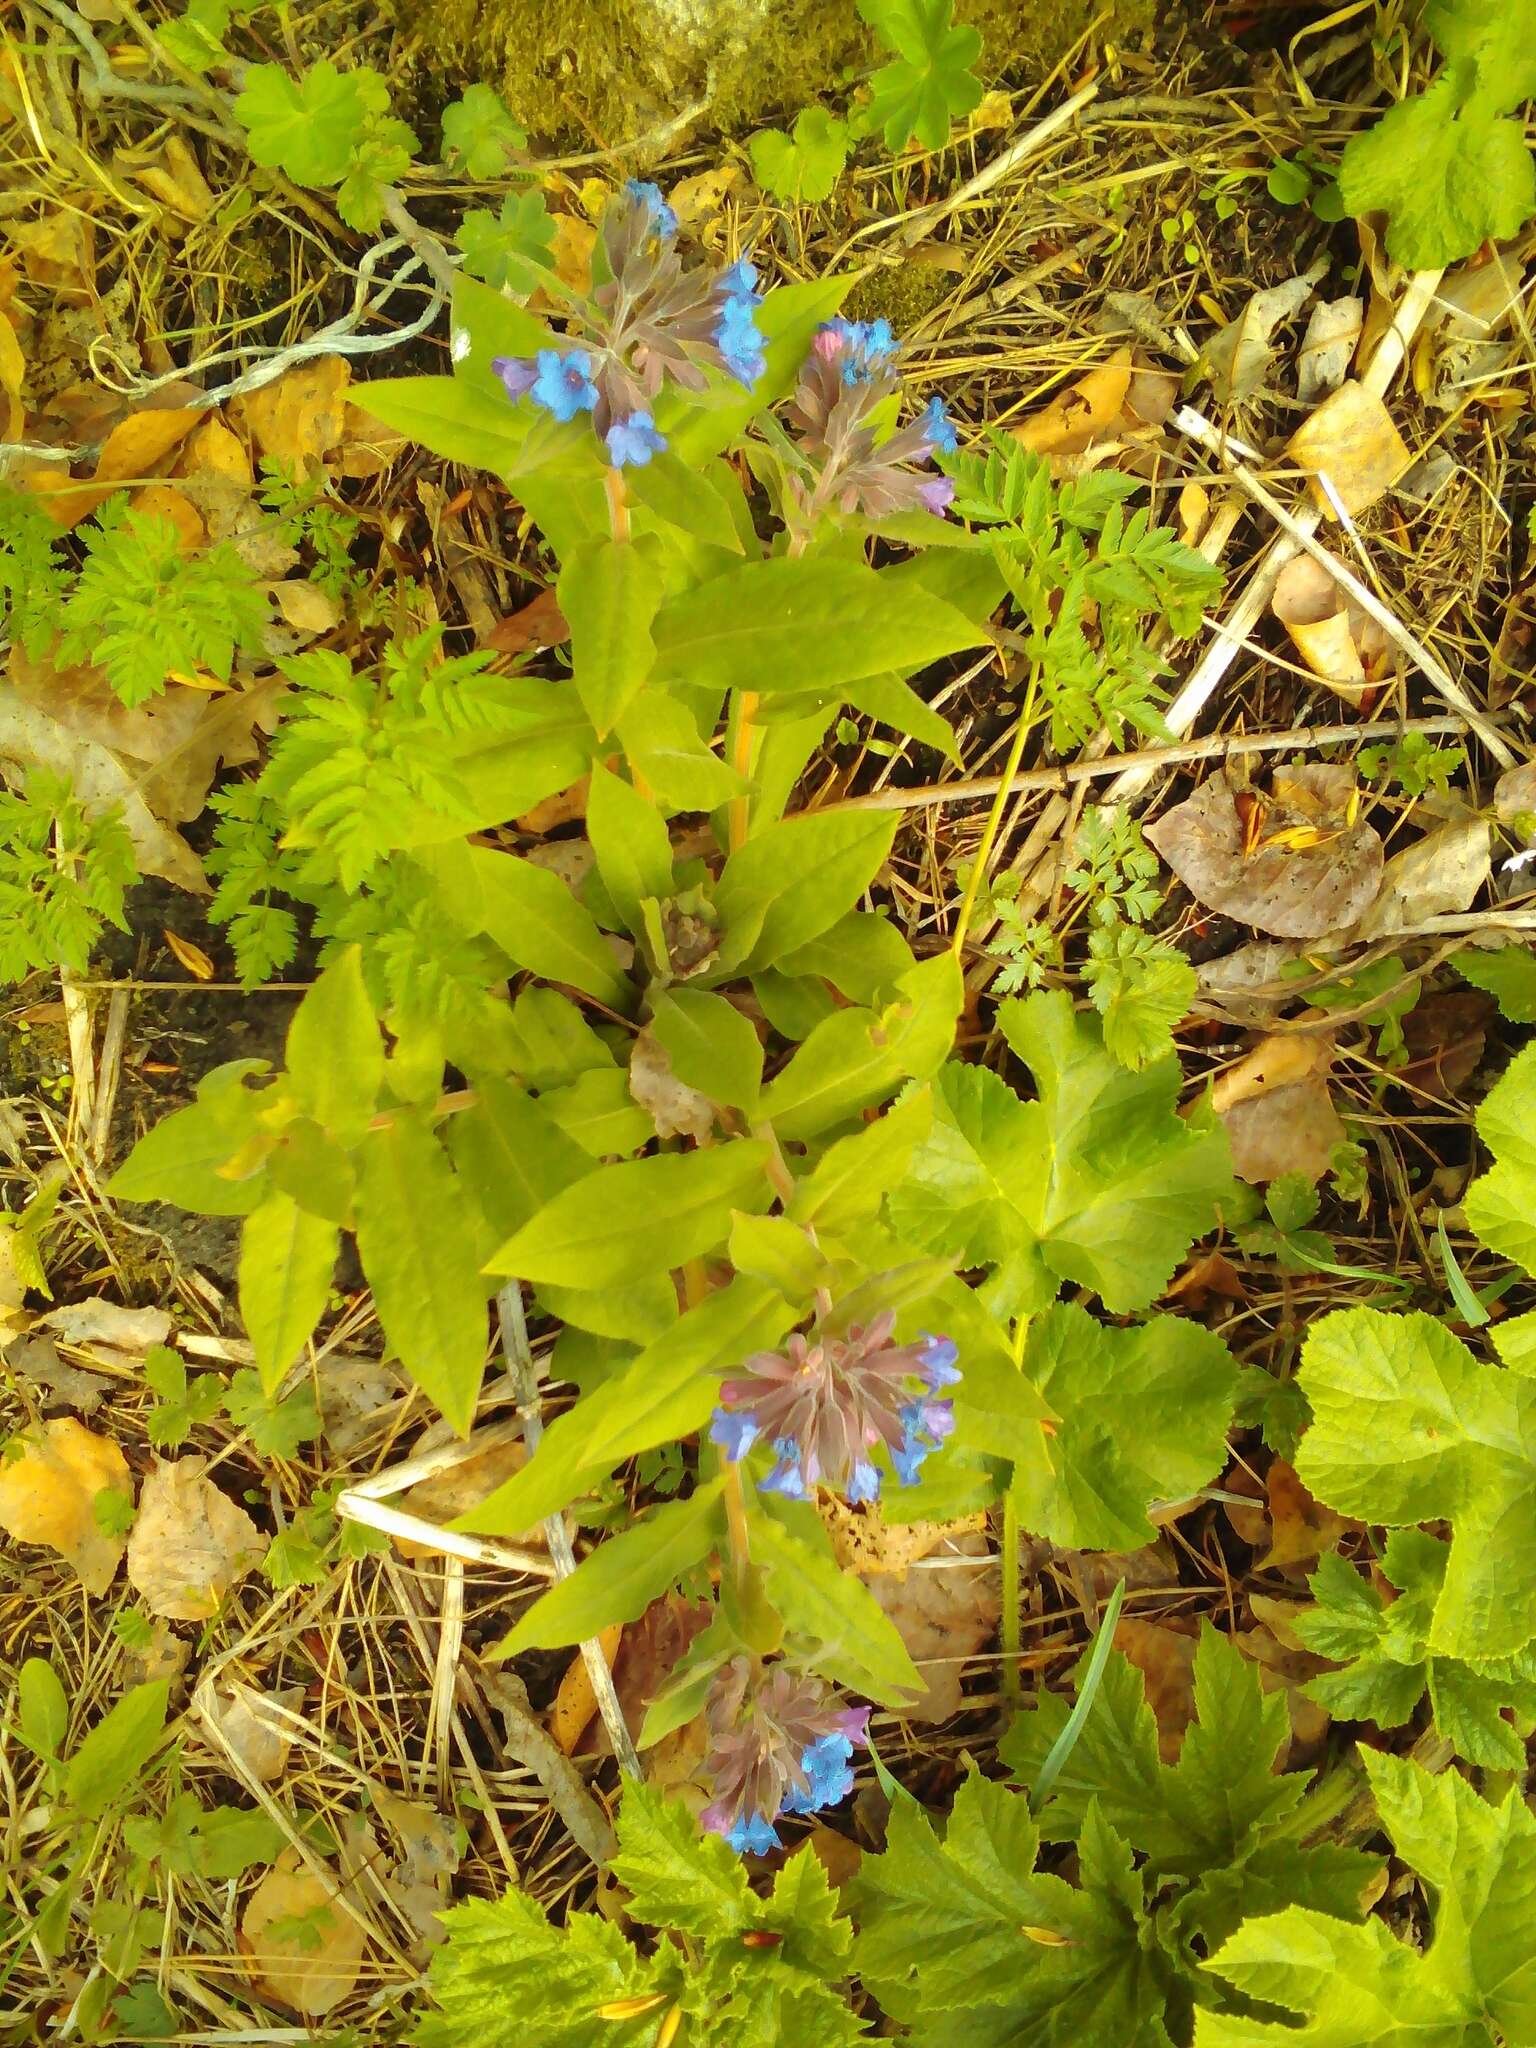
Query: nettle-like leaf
[(1501, 1205), (1219, 1828), (1408, 1427), (1135, 1416), (806, 166), (1508, 974), (1386, 1664), (755, 1969), (1339, 1984), (930, 83), (962, 1939), (1099, 1182)]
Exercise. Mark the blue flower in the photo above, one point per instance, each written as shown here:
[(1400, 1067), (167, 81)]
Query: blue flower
[(927, 1424), (828, 1774), (740, 281), (633, 441), (936, 1360), (740, 340), (562, 383), (663, 219), (753, 1836), (734, 1432), (788, 1477), (863, 1483), (937, 425), (863, 347)]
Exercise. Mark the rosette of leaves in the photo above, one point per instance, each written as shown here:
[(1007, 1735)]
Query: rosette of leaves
[(716, 1964), (966, 1936)]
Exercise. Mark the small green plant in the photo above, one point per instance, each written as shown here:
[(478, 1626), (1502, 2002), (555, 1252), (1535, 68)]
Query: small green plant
[(1415, 763), (806, 166), (929, 82), (1450, 166), (63, 875)]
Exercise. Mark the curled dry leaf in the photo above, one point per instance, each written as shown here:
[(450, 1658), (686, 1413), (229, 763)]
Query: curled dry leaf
[(1290, 1130), (301, 416), (36, 1360), (190, 1543), (576, 1701), (303, 1950), (429, 1856), (1277, 1061), (1312, 869), (1300, 1527), (1287, 1668), (539, 623), (676, 1110), (1327, 346), (647, 1654), (1166, 1660), (48, 1496), (1342, 645), (1352, 440), (1441, 872), (1081, 414), (1239, 357), (1211, 1276), (166, 1655), (1514, 794), (175, 178), (1445, 1033)]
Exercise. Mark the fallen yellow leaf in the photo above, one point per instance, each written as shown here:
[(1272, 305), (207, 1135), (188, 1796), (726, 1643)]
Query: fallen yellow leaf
[(193, 958), (190, 1543), (302, 1948), (48, 1496)]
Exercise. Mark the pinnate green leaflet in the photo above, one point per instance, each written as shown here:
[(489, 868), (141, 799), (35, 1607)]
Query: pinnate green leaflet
[(1409, 1427), (1346, 1986)]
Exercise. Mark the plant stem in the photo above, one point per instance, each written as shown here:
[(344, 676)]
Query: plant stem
[(995, 815), (741, 760), (618, 503)]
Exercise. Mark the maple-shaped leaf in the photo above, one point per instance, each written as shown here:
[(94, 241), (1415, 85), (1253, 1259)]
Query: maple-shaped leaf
[(510, 247), (963, 1940), (1352, 1986), (1408, 1427), (504, 1977), (381, 154), (805, 166), (1214, 1825), (480, 134), (1501, 1205), (930, 83), (1135, 1416), (1386, 1666), (307, 127), (1099, 1182)]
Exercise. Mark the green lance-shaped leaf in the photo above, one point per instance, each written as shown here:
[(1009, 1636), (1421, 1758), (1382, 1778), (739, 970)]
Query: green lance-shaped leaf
[(629, 841), (790, 883), (335, 1055), (287, 1258), (110, 1762), (711, 1045), (180, 1158), (855, 1640), (609, 591)]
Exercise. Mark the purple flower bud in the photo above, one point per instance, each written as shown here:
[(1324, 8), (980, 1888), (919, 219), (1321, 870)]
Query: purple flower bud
[(938, 1361), (517, 374), (663, 219), (562, 382), (934, 494), (633, 441), (854, 1723), (734, 1433)]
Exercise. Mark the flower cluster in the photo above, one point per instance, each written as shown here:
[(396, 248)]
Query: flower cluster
[(850, 373), (651, 322), (824, 1403), (779, 1745)]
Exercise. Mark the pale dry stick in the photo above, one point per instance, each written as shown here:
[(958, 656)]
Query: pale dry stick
[(1200, 430), (373, 1514), (427, 1464), (82, 1060), (519, 1357), (108, 1073), (445, 1671), (532, 1744)]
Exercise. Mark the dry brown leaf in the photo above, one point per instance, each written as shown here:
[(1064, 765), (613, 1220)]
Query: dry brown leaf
[(258, 1738), (48, 1496), (165, 1656), (1154, 1564), (302, 416), (1441, 872), (539, 623), (1301, 1528), (429, 1857), (98, 1321), (58, 251), (138, 445), (176, 180), (1313, 871), (1240, 356), (1293, 1129), (1250, 1524), (1352, 440), (1275, 1062), (646, 1657), (1445, 1034), (1166, 1661), (1342, 645), (676, 1110), (212, 450), (1327, 346), (571, 253), (367, 448), (699, 198), (458, 1488), (576, 1702), (13, 373), (1287, 1670), (563, 808), (1081, 414), (306, 607), (934, 1582), (839, 1857), (303, 1950), (352, 1393), (1210, 1276), (1249, 981), (1514, 794), (37, 1360), (190, 1543)]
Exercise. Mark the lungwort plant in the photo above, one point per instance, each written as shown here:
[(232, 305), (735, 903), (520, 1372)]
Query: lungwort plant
[(693, 1096)]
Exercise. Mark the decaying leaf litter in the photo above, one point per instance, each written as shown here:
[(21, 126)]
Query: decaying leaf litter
[(1322, 904)]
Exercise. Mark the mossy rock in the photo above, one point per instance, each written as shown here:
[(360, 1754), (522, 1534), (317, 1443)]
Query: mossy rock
[(603, 73)]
